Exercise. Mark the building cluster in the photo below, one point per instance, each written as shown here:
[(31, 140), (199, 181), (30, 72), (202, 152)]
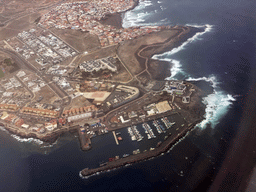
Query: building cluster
[(122, 94), (48, 48), (79, 113), (149, 110), (40, 112), (157, 108), (86, 15), (61, 81), (34, 83), (56, 70), (92, 86), (99, 64), (11, 107), (126, 117), (19, 122), (13, 92), (177, 88), (11, 83)]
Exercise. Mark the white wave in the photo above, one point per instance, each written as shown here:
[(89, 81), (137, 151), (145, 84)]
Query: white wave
[(162, 8), (211, 79), (137, 16), (159, 2), (217, 103), (50, 145), (176, 64), (3, 129), (27, 140), (165, 19)]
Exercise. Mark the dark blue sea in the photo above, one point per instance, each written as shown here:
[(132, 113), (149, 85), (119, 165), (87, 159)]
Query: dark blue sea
[(222, 57)]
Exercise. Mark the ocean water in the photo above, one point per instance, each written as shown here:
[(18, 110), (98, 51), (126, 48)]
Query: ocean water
[(222, 57)]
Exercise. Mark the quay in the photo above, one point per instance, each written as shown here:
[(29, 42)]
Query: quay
[(85, 141), (162, 148), (114, 133)]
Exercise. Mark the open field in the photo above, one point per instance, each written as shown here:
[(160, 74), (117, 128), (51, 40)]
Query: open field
[(16, 26), (47, 94), (13, 9), (1, 73), (81, 41)]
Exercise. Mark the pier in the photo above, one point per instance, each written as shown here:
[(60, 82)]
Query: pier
[(114, 133), (85, 141)]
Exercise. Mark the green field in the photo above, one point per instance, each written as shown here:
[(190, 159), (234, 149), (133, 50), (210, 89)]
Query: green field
[(1, 73)]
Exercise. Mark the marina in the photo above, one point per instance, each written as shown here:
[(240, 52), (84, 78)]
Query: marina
[(167, 123), (148, 131), (137, 154), (160, 129), (134, 133)]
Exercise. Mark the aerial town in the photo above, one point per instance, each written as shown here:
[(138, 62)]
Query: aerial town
[(68, 72), (86, 16)]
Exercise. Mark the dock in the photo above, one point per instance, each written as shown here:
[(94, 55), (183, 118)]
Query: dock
[(85, 141), (114, 133)]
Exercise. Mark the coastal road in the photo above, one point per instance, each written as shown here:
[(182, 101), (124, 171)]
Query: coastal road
[(155, 45)]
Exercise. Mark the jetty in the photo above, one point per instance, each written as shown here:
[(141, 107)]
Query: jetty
[(114, 133), (85, 141)]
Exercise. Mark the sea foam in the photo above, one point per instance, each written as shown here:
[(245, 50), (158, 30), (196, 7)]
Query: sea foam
[(217, 103), (27, 140), (176, 64), (138, 16)]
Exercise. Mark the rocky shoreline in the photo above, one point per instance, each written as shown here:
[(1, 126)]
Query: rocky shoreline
[(116, 19), (158, 68), (49, 137)]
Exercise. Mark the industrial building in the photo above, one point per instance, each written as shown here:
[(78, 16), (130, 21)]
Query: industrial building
[(175, 87)]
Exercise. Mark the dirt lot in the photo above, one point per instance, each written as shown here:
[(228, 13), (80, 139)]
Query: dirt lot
[(81, 41), (16, 26), (77, 102), (127, 51), (100, 53), (47, 94), (14, 8)]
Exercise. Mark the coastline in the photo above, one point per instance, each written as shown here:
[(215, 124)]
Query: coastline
[(156, 67), (165, 66), (49, 138), (116, 19)]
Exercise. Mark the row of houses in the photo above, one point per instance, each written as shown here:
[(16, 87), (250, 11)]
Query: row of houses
[(39, 112), (78, 111), (12, 107)]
